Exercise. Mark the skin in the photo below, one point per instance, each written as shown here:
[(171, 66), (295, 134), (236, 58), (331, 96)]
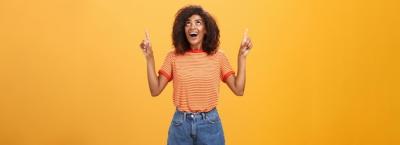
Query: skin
[(195, 24)]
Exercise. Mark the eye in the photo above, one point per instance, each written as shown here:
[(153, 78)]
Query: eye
[(198, 23), (187, 23)]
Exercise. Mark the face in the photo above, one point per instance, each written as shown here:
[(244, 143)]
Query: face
[(195, 31)]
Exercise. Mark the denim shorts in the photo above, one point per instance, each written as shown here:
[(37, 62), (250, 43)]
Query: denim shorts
[(196, 129)]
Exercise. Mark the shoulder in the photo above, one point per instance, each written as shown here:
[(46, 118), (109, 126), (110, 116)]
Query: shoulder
[(220, 54), (171, 54)]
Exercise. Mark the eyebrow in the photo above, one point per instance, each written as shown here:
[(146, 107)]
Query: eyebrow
[(199, 19)]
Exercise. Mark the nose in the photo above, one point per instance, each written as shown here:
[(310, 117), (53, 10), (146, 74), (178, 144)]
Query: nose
[(192, 25)]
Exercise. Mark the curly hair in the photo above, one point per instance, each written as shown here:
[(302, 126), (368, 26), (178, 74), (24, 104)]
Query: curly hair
[(211, 38)]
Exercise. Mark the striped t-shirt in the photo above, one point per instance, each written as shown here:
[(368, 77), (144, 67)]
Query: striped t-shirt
[(196, 78)]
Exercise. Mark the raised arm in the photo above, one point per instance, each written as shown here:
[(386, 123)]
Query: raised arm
[(237, 83), (156, 83)]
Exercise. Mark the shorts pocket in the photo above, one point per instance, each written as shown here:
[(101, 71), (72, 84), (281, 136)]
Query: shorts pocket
[(213, 118), (177, 120)]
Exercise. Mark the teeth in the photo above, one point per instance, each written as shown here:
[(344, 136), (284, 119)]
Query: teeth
[(193, 34)]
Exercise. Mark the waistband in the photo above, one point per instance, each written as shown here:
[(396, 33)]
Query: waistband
[(194, 115)]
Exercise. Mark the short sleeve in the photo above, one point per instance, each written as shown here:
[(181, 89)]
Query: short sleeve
[(226, 68), (166, 67)]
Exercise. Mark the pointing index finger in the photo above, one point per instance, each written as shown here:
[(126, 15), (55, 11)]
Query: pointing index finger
[(147, 34), (245, 34)]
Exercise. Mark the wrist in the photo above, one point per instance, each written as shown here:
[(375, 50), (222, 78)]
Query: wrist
[(241, 56), (149, 57)]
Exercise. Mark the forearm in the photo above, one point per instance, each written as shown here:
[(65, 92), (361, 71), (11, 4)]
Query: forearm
[(238, 82), (240, 79), (152, 77)]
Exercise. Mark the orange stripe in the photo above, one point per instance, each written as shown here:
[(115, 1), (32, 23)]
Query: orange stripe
[(165, 74), (226, 75), (196, 78)]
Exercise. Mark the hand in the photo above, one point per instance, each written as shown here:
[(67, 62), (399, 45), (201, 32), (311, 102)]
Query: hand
[(246, 44), (146, 45)]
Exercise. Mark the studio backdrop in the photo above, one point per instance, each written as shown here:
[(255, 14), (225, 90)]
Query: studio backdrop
[(319, 73)]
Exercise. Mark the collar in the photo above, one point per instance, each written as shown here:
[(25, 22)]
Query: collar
[(196, 50)]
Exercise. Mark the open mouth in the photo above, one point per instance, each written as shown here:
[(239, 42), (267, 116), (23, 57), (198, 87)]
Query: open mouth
[(193, 34)]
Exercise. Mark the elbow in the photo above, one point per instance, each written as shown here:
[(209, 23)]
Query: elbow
[(154, 93), (239, 93)]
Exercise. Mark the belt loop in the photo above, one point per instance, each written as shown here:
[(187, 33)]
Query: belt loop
[(184, 116)]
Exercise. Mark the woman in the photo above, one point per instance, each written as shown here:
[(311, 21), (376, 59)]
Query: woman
[(196, 68)]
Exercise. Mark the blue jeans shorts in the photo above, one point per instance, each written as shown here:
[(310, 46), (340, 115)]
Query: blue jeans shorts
[(202, 128)]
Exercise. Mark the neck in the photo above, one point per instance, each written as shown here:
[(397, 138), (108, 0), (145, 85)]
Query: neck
[(196, 47)]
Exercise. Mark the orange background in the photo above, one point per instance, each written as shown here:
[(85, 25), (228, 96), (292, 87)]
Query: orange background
[(320, 72)]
